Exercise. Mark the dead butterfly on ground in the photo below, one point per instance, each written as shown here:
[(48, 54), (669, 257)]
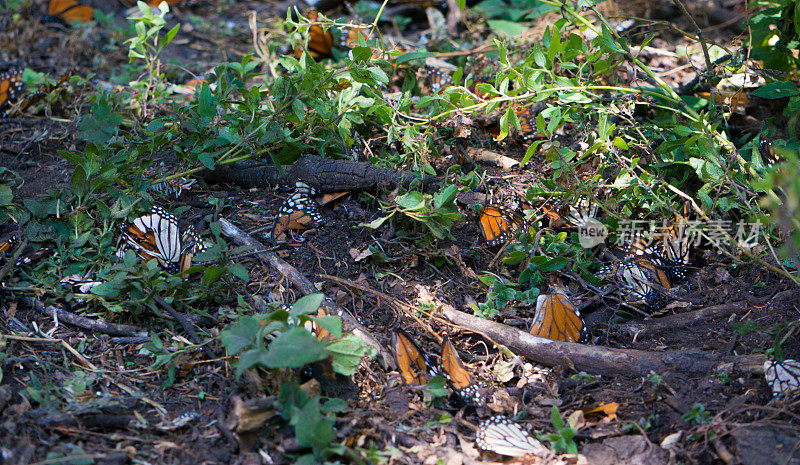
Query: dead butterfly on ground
[(70, 11), (437, 79), (297, 213), (157, 235), (35, 97), (503, 436), (173, 187), (499, 224), (411, 359), (557, 318), (783, 377)]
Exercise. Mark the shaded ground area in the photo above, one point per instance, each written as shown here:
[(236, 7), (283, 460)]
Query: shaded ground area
[(86, 397)]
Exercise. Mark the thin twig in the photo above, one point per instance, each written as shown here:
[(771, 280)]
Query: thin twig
[(186, 324)]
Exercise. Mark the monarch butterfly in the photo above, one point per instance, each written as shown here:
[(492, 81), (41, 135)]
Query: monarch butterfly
[(437, 79), (783, 377), (768, 153), (527, 121), (31, 255), (157, 236), (640, 247), (320, 40), (416, 367), (645, 281), (70, 11), (458, 377), (315, 328), (412, 361), (10, 85), (499, 224), (173, 187), (557, 318), (675, 247), (8, 244), (80, 285), (298, 212), (502, 436), (351, 36)]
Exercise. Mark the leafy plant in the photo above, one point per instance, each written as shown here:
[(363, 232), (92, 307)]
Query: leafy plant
[(147, 45), (563, 438), (279, 340), (436, 212), (697, 415)]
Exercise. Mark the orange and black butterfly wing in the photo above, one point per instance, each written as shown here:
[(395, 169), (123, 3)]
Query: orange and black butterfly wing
[(70, 11), (458, 377), (557, 318), (452, 367), (297, 213), (527, 121), (10, 85), (320, 40), (412, 362), (499, 224), (644, 280)]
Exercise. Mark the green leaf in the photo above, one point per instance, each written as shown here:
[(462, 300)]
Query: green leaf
[(307, 304), (238, 270), (376, 223), (555, 417), (347, 354), (311, 428), (241, 334), (100, 124), (331, 324), (294, 349), (362, 53), (507, 28), (777, 89), (406, 57)]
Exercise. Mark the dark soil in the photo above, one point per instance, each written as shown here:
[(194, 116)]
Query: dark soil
[(124, 415)]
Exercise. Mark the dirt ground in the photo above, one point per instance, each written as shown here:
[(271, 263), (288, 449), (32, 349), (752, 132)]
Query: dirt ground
[(69, 395)]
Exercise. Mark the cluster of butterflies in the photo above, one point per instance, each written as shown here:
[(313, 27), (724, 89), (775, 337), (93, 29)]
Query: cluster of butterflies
[(497, 434), (645, 273), (416, 367), (157, 235)]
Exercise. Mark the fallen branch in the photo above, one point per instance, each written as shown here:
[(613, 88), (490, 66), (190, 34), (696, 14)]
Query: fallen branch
[(83, 322), (306, 287), (603, 360), (326, 174), (681, 320)]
